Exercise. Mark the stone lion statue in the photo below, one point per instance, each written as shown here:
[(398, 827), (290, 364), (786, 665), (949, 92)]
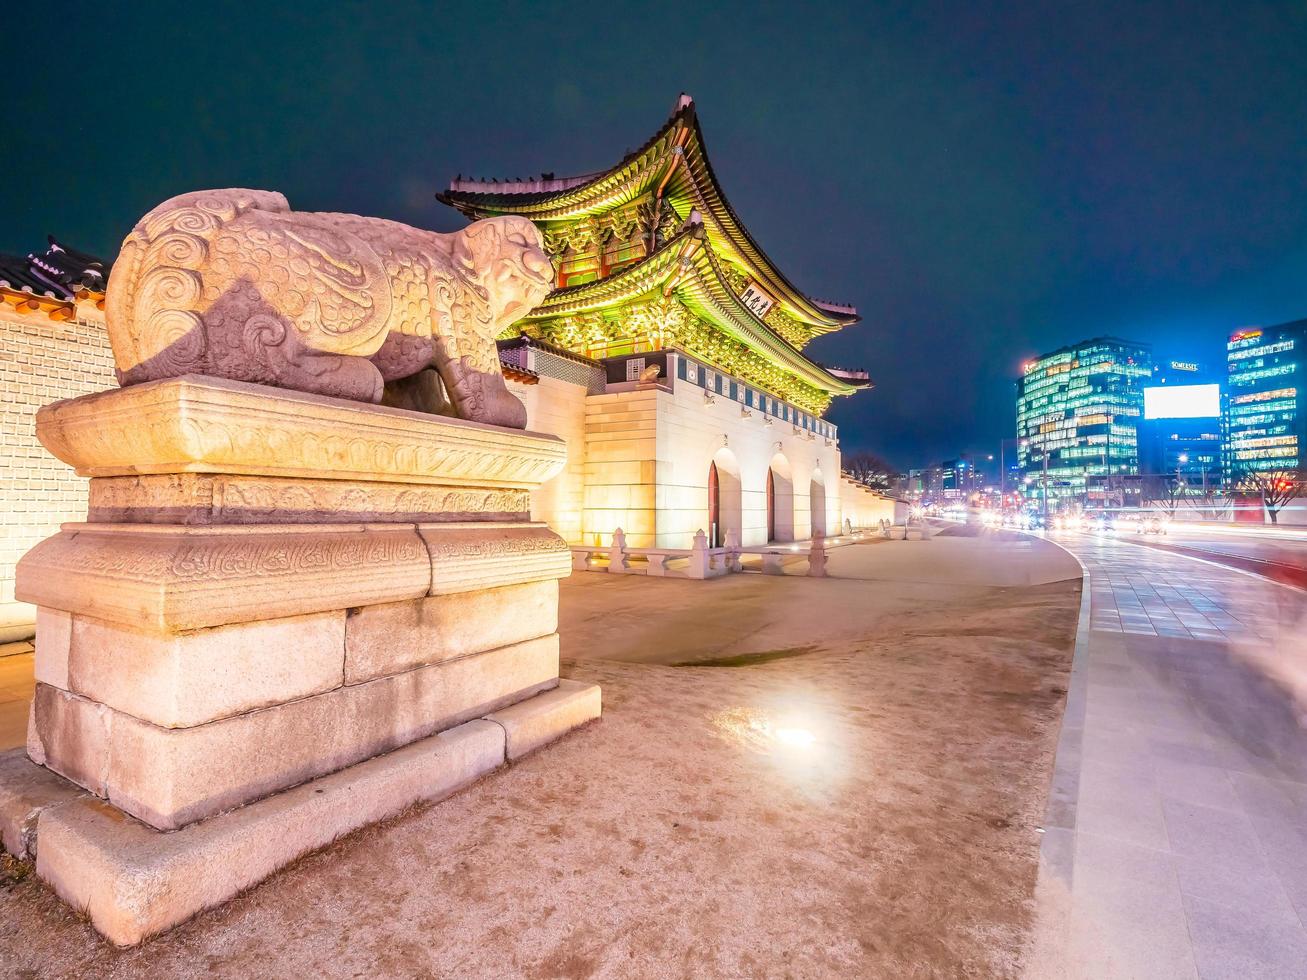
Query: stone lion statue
[(233, 283)]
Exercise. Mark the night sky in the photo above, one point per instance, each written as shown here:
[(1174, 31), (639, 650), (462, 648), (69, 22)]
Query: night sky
[(984, 181)]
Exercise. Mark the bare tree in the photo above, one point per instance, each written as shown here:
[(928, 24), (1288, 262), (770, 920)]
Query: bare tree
[(1275, 487), (868, 468), (1162, 491), (1209, 501)]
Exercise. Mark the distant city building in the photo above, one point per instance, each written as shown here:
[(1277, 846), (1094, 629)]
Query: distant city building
[(951, 479), (926, 484), (1265, 418), (1078, 411), (1180, 435)]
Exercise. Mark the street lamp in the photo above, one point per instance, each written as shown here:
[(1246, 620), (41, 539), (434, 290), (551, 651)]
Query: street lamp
[(1002, 467), (1043, 458)]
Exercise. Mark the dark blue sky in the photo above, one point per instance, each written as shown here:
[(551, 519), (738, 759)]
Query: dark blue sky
[(984, 181)]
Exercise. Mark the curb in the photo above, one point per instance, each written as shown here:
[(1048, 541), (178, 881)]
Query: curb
[(1057, 850)]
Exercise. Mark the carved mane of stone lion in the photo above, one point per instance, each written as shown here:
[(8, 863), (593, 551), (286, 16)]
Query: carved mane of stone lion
[(232, 283)]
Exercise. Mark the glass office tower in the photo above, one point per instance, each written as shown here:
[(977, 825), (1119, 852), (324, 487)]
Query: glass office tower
[(1265, 418), (1078, 411)]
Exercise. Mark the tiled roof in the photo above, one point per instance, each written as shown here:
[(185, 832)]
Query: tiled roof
[(675, 159), (687, 265), (59, 273)]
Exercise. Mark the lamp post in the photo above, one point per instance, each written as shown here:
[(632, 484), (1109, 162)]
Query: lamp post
[(1025, 443), (1044, 457)]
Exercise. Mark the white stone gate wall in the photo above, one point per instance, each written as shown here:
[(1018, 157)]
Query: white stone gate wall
[(692, 433), (865, 507), (639, 458), (558, 407), (623, 475), (41, 361)]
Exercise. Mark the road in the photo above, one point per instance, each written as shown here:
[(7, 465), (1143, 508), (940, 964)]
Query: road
[(1279, 555), (1175, 841)]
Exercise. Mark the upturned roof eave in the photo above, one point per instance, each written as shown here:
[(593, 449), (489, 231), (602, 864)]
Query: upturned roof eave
[(572, 199), (719, 305), (729, 314), (713, 200), (593, 193)]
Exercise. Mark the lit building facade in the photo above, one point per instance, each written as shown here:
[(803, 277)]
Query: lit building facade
[(1266, 426), (1181, 435), (1078, 411), (671, 356)]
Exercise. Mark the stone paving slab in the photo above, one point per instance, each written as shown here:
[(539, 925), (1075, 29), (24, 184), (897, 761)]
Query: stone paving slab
[(1177, 821)]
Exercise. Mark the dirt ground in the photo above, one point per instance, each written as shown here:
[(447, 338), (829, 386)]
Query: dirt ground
[(853, 789)]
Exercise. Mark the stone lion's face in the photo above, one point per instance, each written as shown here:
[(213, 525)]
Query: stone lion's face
[(510, 263)]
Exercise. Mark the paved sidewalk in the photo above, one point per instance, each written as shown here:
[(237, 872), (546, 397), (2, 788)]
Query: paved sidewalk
[(1176, 835)]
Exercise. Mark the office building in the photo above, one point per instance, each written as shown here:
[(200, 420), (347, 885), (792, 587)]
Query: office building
[(1265, 418), (1078, 411), (1180, 434)]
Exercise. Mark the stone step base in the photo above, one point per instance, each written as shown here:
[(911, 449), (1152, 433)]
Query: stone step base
[(134, 881)]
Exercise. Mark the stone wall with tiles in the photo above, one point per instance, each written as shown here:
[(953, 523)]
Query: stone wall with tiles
[(864, 507), (41, 360)]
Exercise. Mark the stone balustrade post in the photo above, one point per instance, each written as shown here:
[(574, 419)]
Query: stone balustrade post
[(699, 556), (733, 550), (817, 558), (617, 560)]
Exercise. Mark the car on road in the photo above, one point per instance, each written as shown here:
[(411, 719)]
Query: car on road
[(1151, 524), (1102, 524)]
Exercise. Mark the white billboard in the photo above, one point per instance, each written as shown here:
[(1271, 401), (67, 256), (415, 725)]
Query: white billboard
[(1182, 402)]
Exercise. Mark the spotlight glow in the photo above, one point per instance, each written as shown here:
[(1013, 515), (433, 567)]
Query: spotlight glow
[(799, 738)]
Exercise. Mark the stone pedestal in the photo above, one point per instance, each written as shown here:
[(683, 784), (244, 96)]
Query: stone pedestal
[(277, 591)]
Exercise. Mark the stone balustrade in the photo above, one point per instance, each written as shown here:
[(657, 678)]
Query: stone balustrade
[(702, 562)]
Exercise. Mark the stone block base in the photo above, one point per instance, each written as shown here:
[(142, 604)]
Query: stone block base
[(26, 790), (539, 720), (134, 881), (170, 777), (279, 593)]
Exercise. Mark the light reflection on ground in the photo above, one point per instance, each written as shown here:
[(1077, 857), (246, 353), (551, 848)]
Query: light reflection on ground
[(798, 741)]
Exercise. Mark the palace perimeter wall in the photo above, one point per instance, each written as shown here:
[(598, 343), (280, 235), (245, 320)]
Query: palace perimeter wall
[(41, 360)]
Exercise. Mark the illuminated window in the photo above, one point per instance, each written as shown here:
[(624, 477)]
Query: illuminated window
[(1261, 396)]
